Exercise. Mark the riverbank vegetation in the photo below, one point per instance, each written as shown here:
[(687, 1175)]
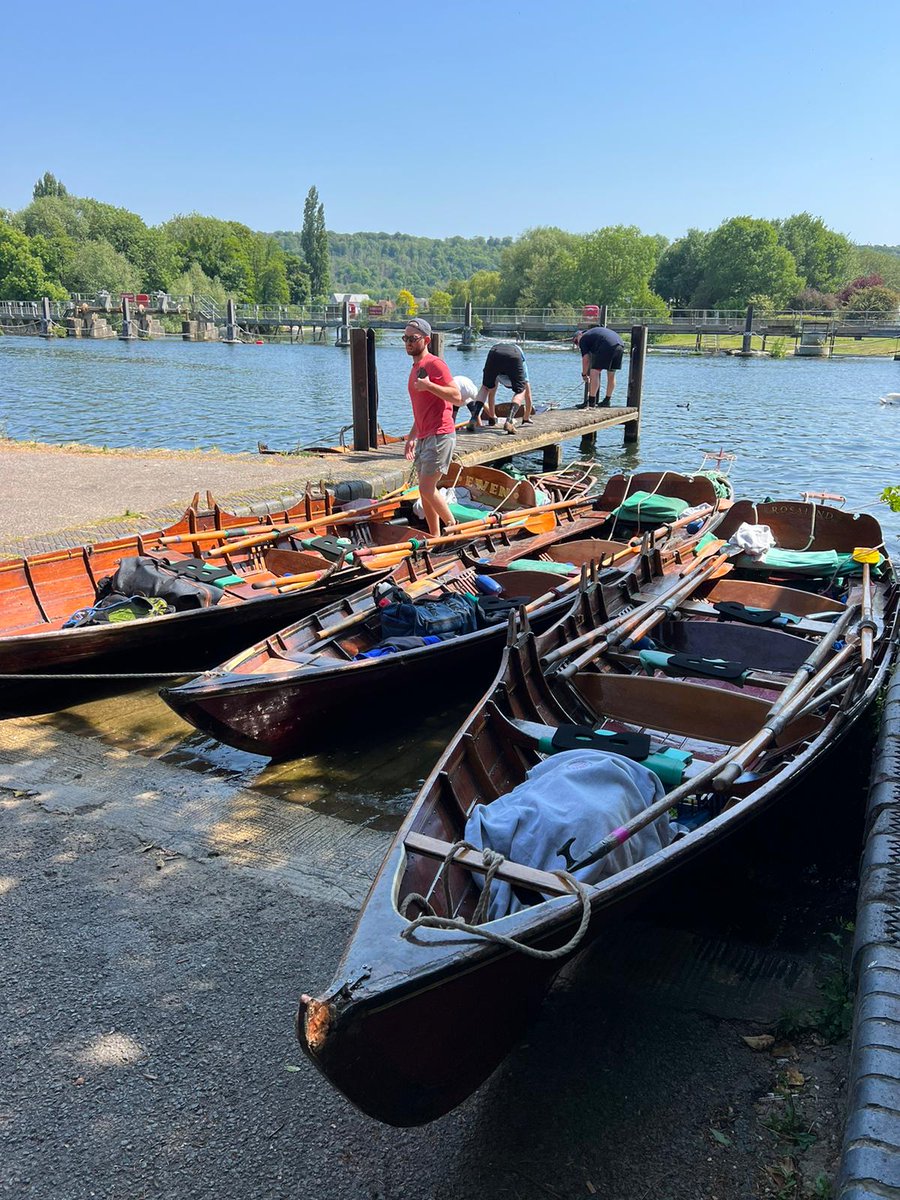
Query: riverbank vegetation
[(60, 245)]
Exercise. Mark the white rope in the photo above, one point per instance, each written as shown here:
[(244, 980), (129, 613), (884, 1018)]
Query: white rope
[(493, 860)]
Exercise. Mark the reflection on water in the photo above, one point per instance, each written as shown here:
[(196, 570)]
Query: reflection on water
[(368, 776)]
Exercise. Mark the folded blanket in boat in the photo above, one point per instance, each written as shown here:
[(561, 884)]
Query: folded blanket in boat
[(538, 564), (147, 576), (650, 508), (580, 794)]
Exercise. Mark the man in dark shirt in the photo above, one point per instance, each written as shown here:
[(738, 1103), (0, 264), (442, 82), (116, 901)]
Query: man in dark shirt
[(601, 350), (505, 364)]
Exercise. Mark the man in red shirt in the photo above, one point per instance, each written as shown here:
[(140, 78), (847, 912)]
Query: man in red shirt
[(432, 438)]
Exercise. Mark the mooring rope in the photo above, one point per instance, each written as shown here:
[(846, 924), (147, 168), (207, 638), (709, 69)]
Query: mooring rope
[(494, 860), (115, 675)]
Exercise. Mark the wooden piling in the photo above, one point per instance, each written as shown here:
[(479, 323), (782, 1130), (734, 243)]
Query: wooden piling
[(372, 371), (231, 337), (636, 381), (747, 340), (359, 388), (468, 333), (343, 330), (127, 334), (552, 459), (437, 343), (601, 317)]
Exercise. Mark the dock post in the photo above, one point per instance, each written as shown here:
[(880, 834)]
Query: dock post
[(231, 337), (46, 319), (747, 340), (468, 333), (636, 382), (128, 333), (359, 388), (343, 333), (437, 343), (372, 371), (601, 316), (552, 457)]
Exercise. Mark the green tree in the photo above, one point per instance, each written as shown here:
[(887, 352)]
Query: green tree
[(48, 185), (194, 282), (538, 268), (297, 279), (406, 304), (875, 301), (823, 257), (614, 266), (314, 245), (98, 266), (681, 267), (22, 274), (52, 217), (745, 258), (269, 283), (440, 303)]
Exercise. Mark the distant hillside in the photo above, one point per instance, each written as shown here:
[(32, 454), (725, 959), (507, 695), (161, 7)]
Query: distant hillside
[(895, 250), (383, 263)]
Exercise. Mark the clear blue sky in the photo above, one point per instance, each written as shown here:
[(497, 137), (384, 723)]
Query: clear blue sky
[(461, 118)]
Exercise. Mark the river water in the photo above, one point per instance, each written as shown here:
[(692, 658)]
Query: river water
[(793, 424)]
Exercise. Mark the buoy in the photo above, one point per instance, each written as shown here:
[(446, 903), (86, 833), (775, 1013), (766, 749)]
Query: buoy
[(259, 342)]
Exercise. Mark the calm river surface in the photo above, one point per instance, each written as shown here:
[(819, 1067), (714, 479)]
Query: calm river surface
[(794, 423)]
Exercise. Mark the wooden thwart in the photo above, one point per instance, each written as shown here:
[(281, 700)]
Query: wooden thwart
[(510, 872)]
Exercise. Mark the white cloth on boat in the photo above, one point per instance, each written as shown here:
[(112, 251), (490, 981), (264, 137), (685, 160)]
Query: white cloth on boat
[(753, 540), (580, 794)]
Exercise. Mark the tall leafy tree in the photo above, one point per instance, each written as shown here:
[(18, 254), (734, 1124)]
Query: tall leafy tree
[(319, 267), (48, 185), (746, 259), (823, 257), (297, 279), (681, 267), (614, 265), (22, 274)]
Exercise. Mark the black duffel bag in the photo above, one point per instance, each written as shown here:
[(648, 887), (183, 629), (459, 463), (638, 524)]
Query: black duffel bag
[(145, 576)]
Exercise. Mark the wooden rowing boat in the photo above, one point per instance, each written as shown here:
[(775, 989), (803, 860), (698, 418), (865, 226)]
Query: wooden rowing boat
[(424, 1006), (281, 697), (40, 592)]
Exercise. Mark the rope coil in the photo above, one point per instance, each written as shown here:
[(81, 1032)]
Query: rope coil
[(493, 861)]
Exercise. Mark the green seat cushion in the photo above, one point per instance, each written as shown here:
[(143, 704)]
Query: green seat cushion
[(537, 564), (462, 513), (650, 508)]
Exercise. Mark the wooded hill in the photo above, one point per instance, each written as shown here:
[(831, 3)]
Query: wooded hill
[(383, 263)]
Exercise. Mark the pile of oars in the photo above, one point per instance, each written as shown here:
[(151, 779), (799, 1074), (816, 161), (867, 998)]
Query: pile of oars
[(807, 690)]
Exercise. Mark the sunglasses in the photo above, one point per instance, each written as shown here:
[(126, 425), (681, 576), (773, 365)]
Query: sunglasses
[(413, 338)]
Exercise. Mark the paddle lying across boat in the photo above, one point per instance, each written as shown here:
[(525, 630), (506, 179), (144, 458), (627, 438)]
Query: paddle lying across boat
[(286, 694), (624, 742)]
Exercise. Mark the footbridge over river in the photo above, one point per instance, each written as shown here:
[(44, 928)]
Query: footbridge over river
[(198, 317)]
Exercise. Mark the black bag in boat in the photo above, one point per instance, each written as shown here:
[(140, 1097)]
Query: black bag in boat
[(494, 610), (450, 616), (175, 583)]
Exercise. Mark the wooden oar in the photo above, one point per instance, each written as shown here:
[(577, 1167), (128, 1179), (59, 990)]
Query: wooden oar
[(722, 773), (867, 624), (795, 695), (628, 620)]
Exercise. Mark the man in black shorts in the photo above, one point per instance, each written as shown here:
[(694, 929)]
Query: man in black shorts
[(601, 350), (505, 364)]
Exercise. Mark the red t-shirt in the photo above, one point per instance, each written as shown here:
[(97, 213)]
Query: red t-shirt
[(432, 413)]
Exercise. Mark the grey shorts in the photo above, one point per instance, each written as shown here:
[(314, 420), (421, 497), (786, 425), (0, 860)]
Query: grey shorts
[(433, 454)]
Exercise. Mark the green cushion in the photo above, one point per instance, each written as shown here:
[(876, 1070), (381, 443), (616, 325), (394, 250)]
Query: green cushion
[(537, 564), (650, 508), (798, 562), (461, 513)]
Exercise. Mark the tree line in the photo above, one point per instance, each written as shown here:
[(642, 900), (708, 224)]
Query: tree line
[(61, 244)]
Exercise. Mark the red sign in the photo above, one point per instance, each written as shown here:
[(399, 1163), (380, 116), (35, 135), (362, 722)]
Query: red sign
[(142, 299), (590, 312), (129, 296), (376, 310)]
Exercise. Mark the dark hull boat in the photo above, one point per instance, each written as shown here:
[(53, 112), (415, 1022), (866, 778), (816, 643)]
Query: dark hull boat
[(40, 593), (434, 987), (286, 695)]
